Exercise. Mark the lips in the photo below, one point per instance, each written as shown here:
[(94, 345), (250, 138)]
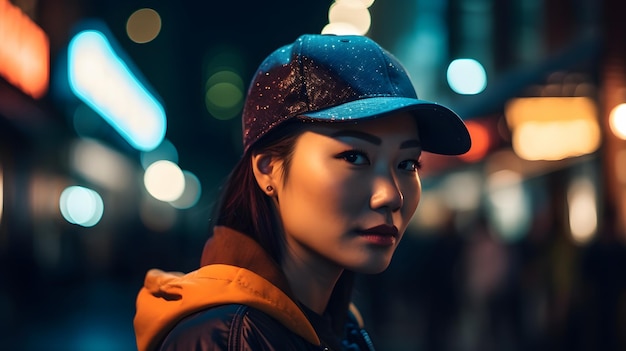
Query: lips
[(381, 230)]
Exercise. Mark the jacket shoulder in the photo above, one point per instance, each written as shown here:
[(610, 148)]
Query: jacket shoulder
[(167, 298), (232, 327)]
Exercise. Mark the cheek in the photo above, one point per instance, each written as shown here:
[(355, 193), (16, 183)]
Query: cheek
[(308, 192), (319, 195), (412, 193)]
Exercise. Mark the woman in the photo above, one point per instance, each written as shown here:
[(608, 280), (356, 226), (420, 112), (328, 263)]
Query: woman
[(328, 181)]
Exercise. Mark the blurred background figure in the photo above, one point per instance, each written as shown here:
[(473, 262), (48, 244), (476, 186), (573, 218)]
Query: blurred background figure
[(110, 112)]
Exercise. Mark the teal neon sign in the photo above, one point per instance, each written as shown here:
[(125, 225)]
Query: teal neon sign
[(103, 81)]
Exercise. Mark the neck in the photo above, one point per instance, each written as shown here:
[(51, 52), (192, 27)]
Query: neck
[(311, 277)]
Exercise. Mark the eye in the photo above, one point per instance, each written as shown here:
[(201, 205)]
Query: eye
[(410, 165), (355, 157)]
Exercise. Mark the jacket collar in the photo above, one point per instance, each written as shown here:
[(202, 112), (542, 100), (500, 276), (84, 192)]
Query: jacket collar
[(230, 247), (236, 270)]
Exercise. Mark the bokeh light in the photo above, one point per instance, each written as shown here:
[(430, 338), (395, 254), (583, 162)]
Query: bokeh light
[(339, 29), (143, 25), (191, 193), (101, 165), (224, 94), (165, 151), (366, 3), (431, 214), (164, 180), (466, 76), (462, 190), (348, 17), (24, 50), (617, 121), (81, 206), (553, 128), (556, 140), (583, 214), (480, 142), (509, 205)]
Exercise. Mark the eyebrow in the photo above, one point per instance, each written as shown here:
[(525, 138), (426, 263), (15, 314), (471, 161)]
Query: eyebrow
[(372, 138), (357, 134), (410, 143)]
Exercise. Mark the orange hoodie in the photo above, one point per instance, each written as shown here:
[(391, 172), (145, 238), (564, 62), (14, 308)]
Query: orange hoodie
[(167, 297)]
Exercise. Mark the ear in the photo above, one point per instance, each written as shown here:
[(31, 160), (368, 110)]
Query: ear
[(266, 172)]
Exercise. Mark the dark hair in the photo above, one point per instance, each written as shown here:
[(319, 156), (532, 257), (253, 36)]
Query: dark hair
[(243, 206)]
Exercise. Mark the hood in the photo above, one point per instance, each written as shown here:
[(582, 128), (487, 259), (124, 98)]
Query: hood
[(167, 297)]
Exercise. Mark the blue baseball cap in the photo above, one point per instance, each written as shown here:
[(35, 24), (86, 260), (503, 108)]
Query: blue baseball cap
[(336, 78)]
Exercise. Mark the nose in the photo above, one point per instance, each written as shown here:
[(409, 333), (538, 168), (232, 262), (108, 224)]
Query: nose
[(386, 194)]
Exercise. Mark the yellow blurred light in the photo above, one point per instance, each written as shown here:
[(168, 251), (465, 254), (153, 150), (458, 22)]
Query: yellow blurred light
[(583, 215), (164, 180), (353, 12), (143, 25), (364, 3), (541, 109), (553, 128), (617, 121), (556, 140), (339, 29)]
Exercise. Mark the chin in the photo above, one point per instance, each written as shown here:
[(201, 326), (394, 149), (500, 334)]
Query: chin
[(371, 267)]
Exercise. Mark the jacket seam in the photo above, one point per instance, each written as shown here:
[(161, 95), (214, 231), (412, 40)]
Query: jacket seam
[(234, 337)]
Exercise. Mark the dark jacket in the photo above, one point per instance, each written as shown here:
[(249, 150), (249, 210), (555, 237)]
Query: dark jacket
[(239, 300)]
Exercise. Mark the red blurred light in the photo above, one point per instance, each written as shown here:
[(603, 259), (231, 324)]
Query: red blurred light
[(480, 142), (24, 51)]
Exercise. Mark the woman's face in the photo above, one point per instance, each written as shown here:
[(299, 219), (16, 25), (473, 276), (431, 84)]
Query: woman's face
[(350, 192)]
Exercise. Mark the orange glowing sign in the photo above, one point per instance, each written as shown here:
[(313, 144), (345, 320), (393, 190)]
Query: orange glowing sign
[(553, 128), (24, 51)]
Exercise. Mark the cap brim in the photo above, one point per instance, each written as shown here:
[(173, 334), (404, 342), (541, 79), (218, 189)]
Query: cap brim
[(440, 129)]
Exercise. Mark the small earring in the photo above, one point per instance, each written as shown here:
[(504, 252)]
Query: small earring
[(269, 188)]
